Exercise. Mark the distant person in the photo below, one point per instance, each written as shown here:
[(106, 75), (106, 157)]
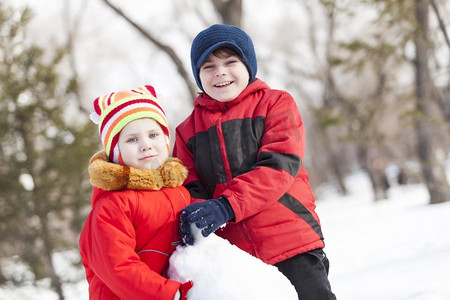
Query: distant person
[(401, 177), (244, 146), (137, 196)]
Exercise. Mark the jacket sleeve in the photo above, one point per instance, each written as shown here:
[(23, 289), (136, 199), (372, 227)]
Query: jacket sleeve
[(108, 249), (278, 163)]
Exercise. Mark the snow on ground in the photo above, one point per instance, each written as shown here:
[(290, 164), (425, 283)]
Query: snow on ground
[(391, 249), (397, 248)]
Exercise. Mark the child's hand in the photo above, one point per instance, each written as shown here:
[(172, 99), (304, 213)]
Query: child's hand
[(208, 216)]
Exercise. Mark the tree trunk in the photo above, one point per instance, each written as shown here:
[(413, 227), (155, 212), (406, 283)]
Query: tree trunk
[(49, 251), (337, 171), (374, 166), (331, 97), (432, 170), (230, 11)]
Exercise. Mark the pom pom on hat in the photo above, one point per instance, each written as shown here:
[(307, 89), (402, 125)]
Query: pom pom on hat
[(218, 36), (112, 112)]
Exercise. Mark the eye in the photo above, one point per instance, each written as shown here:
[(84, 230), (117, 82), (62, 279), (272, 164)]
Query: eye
[(153, 135), (132, 140), (231, 61), (207, 66)]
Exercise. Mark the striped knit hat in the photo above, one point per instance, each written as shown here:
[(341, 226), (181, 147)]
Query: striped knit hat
[(112, 112)]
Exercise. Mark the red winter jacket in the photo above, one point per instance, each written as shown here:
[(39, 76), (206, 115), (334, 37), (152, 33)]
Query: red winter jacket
[(250, 150), (130, 233)]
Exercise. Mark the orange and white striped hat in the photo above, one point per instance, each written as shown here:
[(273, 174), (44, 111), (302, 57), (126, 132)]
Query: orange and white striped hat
[(112, 112)]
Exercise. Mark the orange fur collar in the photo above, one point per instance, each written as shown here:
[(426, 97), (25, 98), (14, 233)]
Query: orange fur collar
[(110, 176)]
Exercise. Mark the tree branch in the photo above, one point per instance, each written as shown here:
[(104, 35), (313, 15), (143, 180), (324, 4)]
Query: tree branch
[(166, 49), (441, 22)]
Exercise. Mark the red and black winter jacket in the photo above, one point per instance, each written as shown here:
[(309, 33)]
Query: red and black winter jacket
[(250, 150)]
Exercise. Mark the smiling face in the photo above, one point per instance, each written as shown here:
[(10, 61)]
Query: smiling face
[(142, 144), (223, 76)]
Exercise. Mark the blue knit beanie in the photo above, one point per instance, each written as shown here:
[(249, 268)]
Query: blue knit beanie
[(218, 36)]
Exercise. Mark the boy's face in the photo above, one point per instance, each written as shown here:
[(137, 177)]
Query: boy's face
[(223, 78), (142, 144)]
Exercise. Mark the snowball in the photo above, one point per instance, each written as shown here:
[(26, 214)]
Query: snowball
[(222, 271)]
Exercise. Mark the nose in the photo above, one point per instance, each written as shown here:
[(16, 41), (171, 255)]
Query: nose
[(220, 71), (146, 145)]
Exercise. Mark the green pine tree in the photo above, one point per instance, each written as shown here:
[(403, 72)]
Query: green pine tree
[(43, 153)]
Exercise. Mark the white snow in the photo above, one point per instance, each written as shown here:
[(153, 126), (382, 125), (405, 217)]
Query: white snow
[(207, 264), (398, 248)]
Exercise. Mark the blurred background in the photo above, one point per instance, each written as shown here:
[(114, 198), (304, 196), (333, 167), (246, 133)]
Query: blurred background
[(371, 79)]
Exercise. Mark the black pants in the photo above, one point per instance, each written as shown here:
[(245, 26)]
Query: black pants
[(308, 273)]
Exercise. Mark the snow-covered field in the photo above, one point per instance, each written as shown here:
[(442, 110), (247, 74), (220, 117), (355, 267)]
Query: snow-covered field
[(397, 248), (392, 249)]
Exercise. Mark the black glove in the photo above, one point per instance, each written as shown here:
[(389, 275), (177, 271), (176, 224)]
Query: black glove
[(209, 215)]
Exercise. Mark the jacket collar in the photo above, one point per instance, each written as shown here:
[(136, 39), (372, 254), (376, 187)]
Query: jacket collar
[(109, 176)]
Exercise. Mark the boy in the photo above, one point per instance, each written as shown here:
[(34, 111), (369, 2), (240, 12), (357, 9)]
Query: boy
[(243, 145), (132, 229)]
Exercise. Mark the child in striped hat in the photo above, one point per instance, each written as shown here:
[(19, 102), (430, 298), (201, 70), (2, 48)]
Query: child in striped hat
[(137, 195), (119, 111)]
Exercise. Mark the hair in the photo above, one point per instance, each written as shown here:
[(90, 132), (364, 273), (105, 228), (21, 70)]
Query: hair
[(225, 52)]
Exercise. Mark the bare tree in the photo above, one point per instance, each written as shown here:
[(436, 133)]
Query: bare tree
[(230, 11), (441, 22), (443, 94), (160, 45), (327, 131), (368, 112), (350, 117), (72, 33), (432, 170)]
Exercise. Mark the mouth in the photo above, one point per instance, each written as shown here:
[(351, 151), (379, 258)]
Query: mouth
[(149, 157), (222, 84)]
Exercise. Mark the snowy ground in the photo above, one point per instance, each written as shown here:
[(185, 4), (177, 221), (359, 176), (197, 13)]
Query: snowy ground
[(392, 249)]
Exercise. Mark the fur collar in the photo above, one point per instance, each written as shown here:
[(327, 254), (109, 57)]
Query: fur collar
[(109, 176)]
